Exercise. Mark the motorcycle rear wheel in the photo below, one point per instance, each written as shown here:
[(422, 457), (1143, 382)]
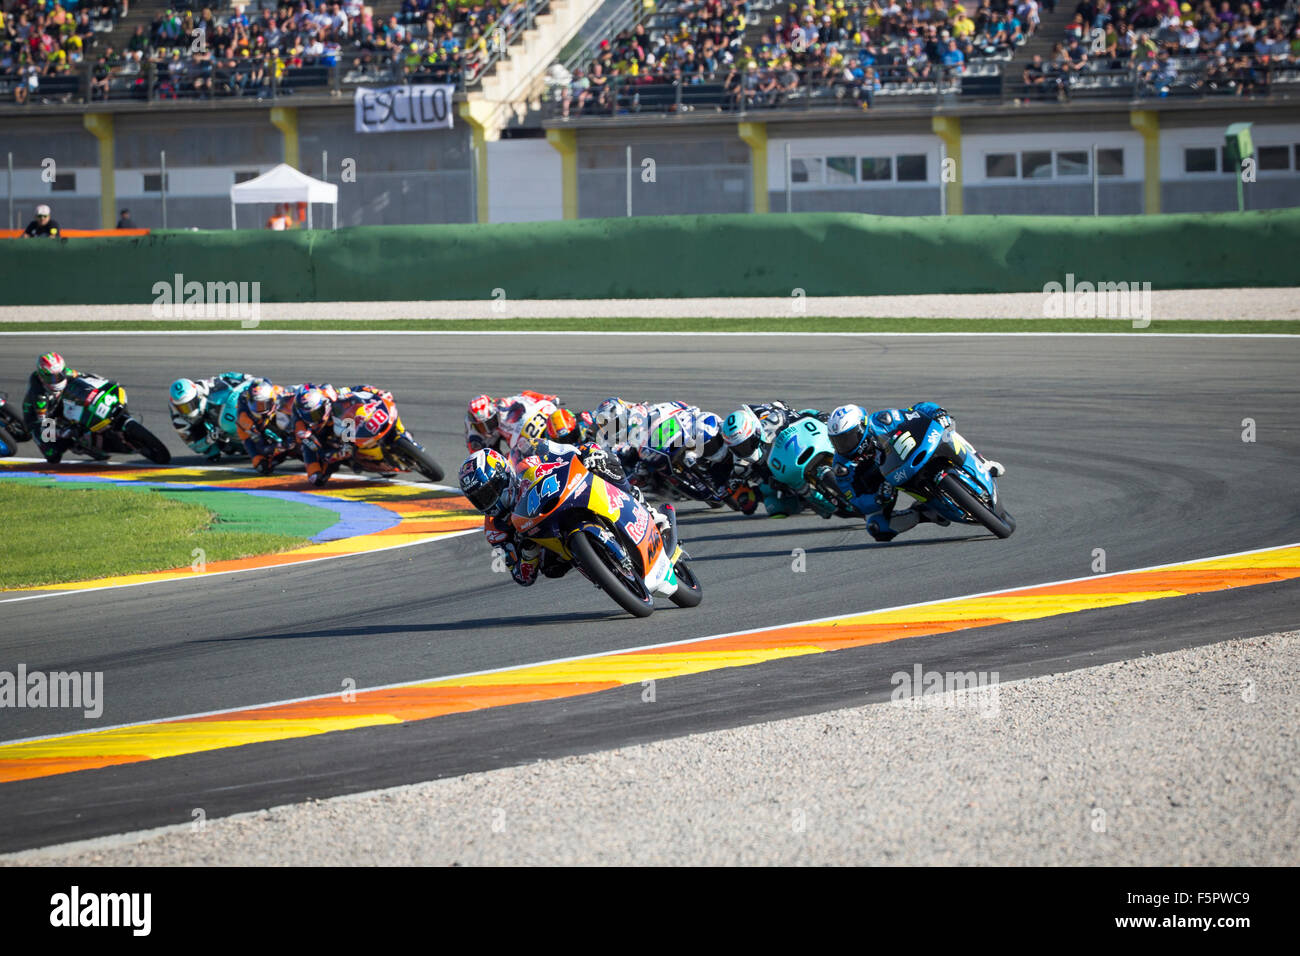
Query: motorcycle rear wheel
[(1002, 525), (598, 563)]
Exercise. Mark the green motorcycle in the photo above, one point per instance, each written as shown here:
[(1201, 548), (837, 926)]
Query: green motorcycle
[(95, 409)]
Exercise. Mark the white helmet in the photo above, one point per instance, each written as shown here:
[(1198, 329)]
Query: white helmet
[(743, 433), (847, 428)]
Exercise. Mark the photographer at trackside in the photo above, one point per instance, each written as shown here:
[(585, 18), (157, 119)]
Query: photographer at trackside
[(42, 226)]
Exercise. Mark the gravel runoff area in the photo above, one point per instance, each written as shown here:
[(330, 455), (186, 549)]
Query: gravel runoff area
[(1165, 304), (1188, 757)]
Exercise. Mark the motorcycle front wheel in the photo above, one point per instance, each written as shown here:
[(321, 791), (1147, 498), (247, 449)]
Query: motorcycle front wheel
[(602, 567), (1001, 525), (420, 459), (145, 442)]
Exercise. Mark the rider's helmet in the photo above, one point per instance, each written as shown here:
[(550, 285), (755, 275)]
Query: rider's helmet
[(612, 420), (261, 398), (52, 371), (710, 445), (186, 401), (743, 433), (848, 429), (313, 407), (484, 413), (563, 427), (489, 482)]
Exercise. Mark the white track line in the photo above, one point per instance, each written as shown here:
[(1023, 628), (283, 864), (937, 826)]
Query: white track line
[(1134, 334), (651, 647)]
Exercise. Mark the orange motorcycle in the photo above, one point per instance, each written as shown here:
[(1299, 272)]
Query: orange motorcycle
[(381, 442)]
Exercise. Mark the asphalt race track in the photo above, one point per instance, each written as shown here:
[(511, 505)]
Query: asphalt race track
[(1132, 444)]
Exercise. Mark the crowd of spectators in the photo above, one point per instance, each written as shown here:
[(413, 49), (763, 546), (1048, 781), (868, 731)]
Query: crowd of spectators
[(846, 49), (202, 52), (1166, 45), (46, 42)]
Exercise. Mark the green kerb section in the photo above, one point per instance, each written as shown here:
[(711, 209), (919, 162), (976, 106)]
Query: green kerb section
[(664, 257), (234, 512)]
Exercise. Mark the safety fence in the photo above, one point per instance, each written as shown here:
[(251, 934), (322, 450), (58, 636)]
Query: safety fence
[(813, 254)]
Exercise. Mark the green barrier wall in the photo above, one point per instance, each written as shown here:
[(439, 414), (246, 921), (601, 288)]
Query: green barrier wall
[(670, 256)]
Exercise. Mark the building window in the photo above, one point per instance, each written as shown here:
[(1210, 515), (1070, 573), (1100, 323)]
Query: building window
[(153, 182), (1036, 165), (877, 169), (1199, 160), (1072, 163), (840, 171), (64, 183), (912, 168), (806, 171), (1110, 162), (245, 176), (1000, 165), (1274, 157)]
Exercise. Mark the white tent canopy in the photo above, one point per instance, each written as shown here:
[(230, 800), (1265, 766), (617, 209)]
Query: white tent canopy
[(284, 184)]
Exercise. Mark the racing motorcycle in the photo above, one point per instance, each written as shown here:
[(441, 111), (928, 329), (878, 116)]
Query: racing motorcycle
[(225, 433), (801, 455), (12, 429), (666, 456), (96, 410), (608, 535), (925, 457), (383, 445)]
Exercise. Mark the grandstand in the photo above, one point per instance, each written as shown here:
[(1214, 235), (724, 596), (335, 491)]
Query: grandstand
[(743, 106)]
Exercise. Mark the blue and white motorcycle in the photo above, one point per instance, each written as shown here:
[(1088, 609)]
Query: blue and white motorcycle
[(923, 455)]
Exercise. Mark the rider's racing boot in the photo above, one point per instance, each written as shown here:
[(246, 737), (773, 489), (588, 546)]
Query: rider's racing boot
[(886, 529)]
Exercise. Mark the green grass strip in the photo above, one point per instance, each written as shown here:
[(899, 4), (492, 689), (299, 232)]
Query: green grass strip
[(53, 533)]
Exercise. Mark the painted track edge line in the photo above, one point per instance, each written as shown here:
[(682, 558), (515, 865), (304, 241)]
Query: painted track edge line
[(646, 647)]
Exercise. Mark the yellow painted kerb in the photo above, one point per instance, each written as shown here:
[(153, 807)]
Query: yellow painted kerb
[(101, 127), (565, 142), (755, 137)]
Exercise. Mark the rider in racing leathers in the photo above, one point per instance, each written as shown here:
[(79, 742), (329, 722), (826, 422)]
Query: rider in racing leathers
[(43, 409), (750, 432), (486, 418), (858, 456), (350, 400), (312, 425), (263, 407), (493, 486), (196, 408)]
